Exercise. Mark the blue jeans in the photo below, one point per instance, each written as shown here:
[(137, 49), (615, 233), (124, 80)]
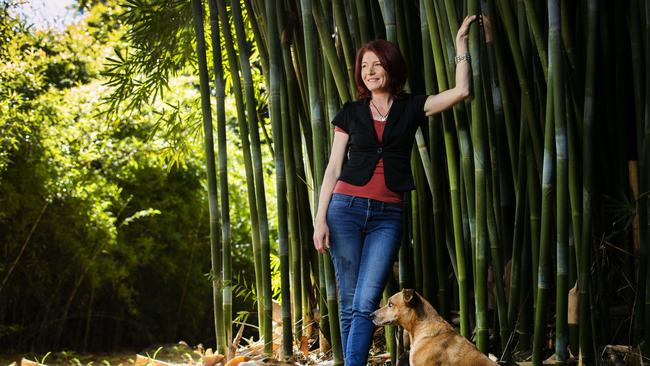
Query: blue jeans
[(365, 236)]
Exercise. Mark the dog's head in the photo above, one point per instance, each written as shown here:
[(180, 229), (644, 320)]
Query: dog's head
[(400, 307)]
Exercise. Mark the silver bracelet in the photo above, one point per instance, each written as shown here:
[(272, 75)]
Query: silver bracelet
[(463, 57)]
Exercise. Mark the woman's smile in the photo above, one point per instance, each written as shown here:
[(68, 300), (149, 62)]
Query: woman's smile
[(373, 72)]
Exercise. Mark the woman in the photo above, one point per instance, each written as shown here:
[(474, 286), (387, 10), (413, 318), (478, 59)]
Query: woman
[(360, 204)]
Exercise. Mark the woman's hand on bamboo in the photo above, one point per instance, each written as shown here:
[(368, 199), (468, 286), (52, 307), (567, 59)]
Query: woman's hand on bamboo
[(321, 236), (463, 33)]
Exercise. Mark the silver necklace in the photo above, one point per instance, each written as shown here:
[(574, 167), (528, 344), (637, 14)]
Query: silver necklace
[(382, 117)]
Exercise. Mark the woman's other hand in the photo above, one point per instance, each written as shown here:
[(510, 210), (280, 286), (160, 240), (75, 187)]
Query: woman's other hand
[(321, 236)]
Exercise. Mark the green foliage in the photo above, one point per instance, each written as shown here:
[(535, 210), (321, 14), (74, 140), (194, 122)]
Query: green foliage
[(160, 42), (119, 253)]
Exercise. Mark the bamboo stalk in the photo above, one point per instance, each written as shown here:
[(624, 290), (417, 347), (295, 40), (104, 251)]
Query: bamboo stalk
[(453, 173), (275, 80), (289, 116), (575, 201), (495, 226), (388, 14), (518, 243), (561, 152), (527, 104), (504, 90), (478, 142), (258, 173), (248, 161), (436, 158), (566, 36), (260, 41), (330, 52), (326, 276), (222, 146), (460, 114), (362, 20), (423, 255), (535, 30), (543, 272), (213, 204), (346, 42), (584, 272)]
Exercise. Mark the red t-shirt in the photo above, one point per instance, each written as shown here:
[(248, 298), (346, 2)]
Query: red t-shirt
[(376, 188)]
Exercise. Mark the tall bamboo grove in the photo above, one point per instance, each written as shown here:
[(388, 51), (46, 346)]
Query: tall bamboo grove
[(531, 210)]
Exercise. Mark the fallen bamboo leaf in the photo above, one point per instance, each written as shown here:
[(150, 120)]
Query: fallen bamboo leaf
[(211, 360), (238, 360), (147, 361), (26, 362)]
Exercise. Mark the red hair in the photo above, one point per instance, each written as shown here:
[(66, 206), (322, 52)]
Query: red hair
[(392, 61)]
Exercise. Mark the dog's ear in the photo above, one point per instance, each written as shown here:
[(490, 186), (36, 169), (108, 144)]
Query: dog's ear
[(410, 297)]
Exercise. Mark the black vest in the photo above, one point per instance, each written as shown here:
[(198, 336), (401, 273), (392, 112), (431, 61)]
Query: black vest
[(364, 149)]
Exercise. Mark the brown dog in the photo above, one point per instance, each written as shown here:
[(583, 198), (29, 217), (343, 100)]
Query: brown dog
[(433, 340)]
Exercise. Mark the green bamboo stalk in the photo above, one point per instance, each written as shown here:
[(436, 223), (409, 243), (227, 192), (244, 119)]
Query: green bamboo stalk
[(527, 104), (388, 14), (260, 41), (248, 161), (504, 92), (453, 173), (561, 151), (575, 201), (478, 142), (305, 232), (584, 258), (422, 255), (543, 272), (290, 285), (213, 204), (299, 65), (324, 335), (415, 232), (330, 52), (525, 300), (402, 37), (276, 89), (305, 228), (435, 141), (308, 10), (447, 35), (405, 257), (330, 97), (362, 21), (222, 146), (389, 332), (566, 35), (346, 42), (518, 243), (533, 191), (495, 227), (314, 95), (258, 173), (535, 30), (289, 115), (330, 100)]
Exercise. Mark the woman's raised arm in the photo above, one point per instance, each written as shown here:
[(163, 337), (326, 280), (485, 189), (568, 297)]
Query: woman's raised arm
[(439, 102)]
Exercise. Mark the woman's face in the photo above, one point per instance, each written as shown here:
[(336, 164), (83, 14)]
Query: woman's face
[(373, 73)]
